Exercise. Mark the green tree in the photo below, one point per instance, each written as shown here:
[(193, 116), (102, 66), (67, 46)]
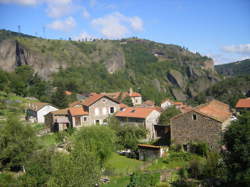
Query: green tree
[(59, 98), (17, 142), (128, 136), (237, 156), (167, 114), (127, 101), (79, 168), (96, 139)]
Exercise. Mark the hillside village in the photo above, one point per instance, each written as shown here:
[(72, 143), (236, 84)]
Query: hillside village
[(147, 114)]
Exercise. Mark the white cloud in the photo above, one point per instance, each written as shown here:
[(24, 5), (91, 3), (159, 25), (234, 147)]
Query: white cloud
[(240, 49), (136, 23), (63, 25), (84, 36), (116, 25), (85, 13), (57, 8), (221, 58), (21, 2)]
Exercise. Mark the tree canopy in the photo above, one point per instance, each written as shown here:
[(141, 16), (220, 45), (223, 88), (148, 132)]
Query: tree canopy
[(237, 156)]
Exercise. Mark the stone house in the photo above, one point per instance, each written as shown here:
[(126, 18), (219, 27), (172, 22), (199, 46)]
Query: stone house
[(243, 105), (36, 111), (204, 123), (78, 117), (140, 116), (58, 120), (100, 107), (150, 152), (93, 110)]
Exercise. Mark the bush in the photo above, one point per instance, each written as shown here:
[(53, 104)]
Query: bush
[(144, 179), (176, 147), (195, 168), (200, 148)]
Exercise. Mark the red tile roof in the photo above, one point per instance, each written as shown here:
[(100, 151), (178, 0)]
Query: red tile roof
[(134, 94), (95, 97), (169, 100), (77, 111), (213, 109), (68, 92), (149, 103), (75, 103), (243, 103), (123, 105), (135, 112)]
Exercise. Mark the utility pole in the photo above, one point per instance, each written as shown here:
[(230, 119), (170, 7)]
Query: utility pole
[(19, 29)]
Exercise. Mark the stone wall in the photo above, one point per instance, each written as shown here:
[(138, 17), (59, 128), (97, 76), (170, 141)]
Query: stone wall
[(103, 106), (192, 126)]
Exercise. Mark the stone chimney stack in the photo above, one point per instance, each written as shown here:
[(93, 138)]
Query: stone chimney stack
[(130, 91)]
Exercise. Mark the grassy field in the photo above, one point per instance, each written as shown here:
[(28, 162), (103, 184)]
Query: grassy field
[(47, 140), (121, 165)]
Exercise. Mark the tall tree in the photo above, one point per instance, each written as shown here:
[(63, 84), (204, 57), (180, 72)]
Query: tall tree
[(237, 156), (17, 142)]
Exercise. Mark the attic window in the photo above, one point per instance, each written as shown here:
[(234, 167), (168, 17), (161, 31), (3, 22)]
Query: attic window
[(104, 100), (194, 117)]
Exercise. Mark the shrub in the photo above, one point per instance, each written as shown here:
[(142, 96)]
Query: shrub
[(195, 168), (144, 179), (200, 148), (176, 147)]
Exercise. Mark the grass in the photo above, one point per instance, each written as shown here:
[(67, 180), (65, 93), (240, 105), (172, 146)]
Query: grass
[(48, 140), (118, 182), (173, 160), (121, 165)]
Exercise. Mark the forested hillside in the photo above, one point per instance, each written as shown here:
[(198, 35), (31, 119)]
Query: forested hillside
[(154, 69), (228, 91), (234, 68)]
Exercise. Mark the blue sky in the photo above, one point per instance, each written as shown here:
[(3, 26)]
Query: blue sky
[(217, 28)]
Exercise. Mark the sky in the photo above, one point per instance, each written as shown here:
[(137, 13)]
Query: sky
[(216, 28)]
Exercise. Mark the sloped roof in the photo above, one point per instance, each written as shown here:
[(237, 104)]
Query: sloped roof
[(37, 106), (77, 111), (214, 109), (61, 112), (149, 146), (135, 94), (95, 97), (149, 103), (135, 112), (243, 103), (75, 103), (123, 105)]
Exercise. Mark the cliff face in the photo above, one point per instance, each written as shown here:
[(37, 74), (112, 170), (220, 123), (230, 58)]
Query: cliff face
[(165, 68)]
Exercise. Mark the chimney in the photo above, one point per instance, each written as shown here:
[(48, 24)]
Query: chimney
[(130, 91)]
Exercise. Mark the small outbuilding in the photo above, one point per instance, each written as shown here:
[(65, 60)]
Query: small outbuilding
[(150, 152)]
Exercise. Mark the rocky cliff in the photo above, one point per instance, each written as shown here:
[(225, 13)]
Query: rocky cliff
[(168, 69)]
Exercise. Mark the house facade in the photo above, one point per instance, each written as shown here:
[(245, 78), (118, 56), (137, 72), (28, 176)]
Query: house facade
[(204, 123), (58, 120), (93, 110), (144, 117), (36, 111)]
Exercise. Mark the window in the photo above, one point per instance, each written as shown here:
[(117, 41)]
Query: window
[(85, 119), (97, 122), (104, 100), (194, 117), (112, 110), (96, 111)]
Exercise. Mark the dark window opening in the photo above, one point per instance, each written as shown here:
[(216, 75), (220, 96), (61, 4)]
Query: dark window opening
[(194, 117), (112, 110)]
